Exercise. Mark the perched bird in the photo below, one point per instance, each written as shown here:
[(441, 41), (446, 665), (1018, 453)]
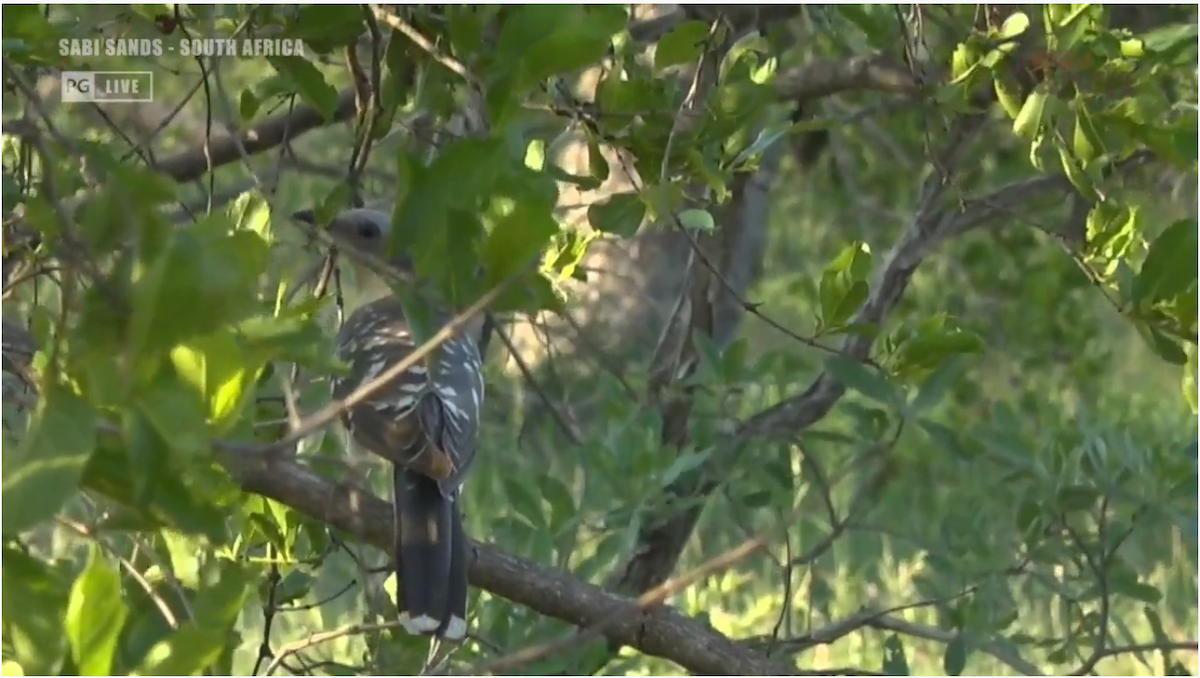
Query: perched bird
[(426, 422)]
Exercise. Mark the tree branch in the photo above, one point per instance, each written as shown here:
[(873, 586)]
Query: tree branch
[(192, 164), (660, 632)]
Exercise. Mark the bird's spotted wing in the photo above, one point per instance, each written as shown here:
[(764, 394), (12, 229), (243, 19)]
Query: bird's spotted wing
[(451, 416), (426, 420)]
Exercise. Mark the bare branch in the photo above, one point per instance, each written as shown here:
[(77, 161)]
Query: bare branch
[(818, 79), (192, 164), (404, 28), (660, 632)]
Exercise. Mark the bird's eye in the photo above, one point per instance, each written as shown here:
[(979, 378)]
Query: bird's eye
[(368, 231)]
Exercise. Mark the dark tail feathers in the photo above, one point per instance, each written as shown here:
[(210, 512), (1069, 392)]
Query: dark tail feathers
[(431, 558)]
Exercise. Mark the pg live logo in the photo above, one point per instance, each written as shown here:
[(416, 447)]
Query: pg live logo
[(107, 86)]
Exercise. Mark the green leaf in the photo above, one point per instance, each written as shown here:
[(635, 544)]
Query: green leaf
[(895, 663), (681, 45), (525, 504), (1162, 345), (843, 286), (294, 586), (1156, 626), (449, 195), (293, 336), (1086, 140), (766, 137), (535, 154), (556, 39), (1008, 94), (206, 277), (1123, 580), (1189, 379), (1014, 25), (875, 25), (44, 470), (516, 239), (562, 504), (946, 437), (1076, 498), (224, 378), (597, 163), (683, 463), (309, 83), (621, 214), (697, 220), (252, 213), (859, 377), (1171, 264), (1075, 174), (176, 410), (170, 501), (95, 614), (327, 26), (964, 63), (29, 37), (1029, 120), (149, 456), (339, 198), (930, 349), (248, 105), (954, 660), (188, 652), (109, 220), (935, 386), (34, 605)]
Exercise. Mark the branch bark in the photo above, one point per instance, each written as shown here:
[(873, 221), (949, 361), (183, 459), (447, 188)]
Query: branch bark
[(660, 632), (192, 164)]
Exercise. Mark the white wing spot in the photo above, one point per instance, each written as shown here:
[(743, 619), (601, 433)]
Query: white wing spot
[(373, 371)]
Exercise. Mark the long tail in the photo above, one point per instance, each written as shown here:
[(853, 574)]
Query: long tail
[(430, 558)]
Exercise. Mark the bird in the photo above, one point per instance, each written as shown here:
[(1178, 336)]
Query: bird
[(425, 422)]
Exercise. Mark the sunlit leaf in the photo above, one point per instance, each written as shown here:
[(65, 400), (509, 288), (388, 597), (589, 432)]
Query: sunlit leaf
[(697, 220), (95, 615)]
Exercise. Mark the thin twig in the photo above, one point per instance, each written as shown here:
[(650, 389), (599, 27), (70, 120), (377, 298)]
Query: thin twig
[(319, 638), (407, 30), (674, 585), (568, 428), (87, 533), (329, 413)]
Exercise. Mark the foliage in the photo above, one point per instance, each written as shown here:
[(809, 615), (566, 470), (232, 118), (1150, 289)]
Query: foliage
[(1007, 484)]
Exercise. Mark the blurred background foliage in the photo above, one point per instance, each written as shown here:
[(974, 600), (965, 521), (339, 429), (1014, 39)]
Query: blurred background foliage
[(1040, 492)]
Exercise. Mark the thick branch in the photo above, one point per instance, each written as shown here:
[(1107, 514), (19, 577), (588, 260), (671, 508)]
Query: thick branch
[(661, 632), (193, 164)]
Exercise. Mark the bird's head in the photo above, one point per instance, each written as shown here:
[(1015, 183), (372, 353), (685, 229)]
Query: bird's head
[(365, 231)]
